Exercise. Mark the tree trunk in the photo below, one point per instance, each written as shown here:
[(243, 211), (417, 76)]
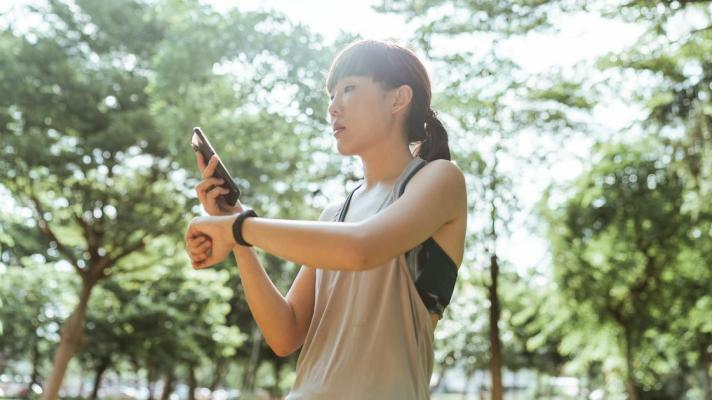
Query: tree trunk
[(150, 384), (218, 373), (631, 386), (467, 385), (99, 373), (71, 341), (441, 375), (705, 366), (277, 364), (167, 387), (35, 367), (248, 381), (80, 390), (192, 384), (496, 350)]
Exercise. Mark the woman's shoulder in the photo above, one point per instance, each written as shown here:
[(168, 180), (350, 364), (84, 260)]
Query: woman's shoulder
[(329, 212), (440, 173)]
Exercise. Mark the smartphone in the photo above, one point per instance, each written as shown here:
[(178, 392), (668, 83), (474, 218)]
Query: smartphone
[(201, 144)]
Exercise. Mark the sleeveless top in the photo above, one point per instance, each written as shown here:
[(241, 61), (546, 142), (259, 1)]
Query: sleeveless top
[(370, 336)]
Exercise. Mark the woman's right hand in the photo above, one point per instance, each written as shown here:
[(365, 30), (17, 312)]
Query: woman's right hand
[(210, 191)]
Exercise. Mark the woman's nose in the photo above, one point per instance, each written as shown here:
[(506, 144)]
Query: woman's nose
[(334, 109)]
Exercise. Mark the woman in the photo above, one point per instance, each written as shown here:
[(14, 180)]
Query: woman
[(377, 269)]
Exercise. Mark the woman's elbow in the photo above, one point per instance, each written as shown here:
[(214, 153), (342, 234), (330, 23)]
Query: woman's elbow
[(283, 352), (284, 349), (360, 253)]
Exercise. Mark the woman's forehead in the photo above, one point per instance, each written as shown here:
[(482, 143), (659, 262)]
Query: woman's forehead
[(353, 78)]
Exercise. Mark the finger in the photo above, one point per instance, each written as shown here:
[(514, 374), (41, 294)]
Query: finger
[(199, 246), (189, 235), (200, 161), (215, 192), (200, 257), (207, 183), (202, 264), (203, 249), (202, 188), (193, 233), (210, 168), (203, 260)]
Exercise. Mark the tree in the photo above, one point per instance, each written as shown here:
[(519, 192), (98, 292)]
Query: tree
[(615, 245), (68, 158), (35, 300), (93, 128)]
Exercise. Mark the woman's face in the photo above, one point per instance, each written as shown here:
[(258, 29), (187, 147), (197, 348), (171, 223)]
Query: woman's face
[(359, 114)]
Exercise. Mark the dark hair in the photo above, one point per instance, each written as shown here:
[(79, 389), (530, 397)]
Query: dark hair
[(393, 65)]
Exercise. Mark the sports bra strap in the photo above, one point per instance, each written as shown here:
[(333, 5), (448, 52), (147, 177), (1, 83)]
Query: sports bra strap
[(345, 207), (400, 189), (405, 180)]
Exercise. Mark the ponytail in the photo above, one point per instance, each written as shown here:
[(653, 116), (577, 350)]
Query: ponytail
[(434, 144)]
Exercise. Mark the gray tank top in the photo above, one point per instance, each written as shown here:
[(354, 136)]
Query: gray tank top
[(370, 335)]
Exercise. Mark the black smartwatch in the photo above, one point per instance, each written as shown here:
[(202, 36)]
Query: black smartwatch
[(237, 226)]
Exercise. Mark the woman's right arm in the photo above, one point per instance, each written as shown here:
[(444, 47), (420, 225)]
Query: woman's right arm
[(284, 321)]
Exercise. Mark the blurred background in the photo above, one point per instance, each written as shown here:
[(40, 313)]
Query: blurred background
[(584, 129)]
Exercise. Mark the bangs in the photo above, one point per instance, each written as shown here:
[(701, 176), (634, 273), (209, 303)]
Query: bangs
[(367, 59)]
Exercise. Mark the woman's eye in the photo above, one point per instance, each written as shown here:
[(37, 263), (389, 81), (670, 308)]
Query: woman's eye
[(346, 89)]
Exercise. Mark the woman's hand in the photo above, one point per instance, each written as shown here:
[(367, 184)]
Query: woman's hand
[(209, 190), (209, 240)]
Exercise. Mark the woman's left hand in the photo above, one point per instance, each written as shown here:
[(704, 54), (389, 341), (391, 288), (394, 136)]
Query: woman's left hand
[(217, 230)]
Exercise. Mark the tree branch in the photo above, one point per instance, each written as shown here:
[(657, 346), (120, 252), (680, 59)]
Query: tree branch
[(92, 245), (140, 244), (45, 228)]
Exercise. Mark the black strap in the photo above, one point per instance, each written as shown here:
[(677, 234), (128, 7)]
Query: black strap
[(403, 183), (412, 173), (345, 207)]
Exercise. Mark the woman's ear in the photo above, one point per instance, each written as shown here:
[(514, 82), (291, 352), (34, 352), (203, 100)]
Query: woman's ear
[(401, 99)]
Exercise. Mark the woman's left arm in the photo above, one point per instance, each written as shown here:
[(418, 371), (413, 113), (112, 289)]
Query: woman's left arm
[(433, 197)]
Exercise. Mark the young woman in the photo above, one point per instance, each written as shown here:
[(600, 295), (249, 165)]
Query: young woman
[(379, 268)]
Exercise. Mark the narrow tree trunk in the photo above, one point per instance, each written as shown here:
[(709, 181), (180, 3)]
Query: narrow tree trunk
[(705, 366), (277, 365), (80, 391), (248, 381), (99, 373), (35, 367), (467, 385), (441, 375), (150, 384), (71, 341), (218, 373), (192, 384), (631, 386), (496, 350), (167, 387)]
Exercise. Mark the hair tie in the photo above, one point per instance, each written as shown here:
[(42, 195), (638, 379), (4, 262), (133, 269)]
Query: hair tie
[(431, 116)]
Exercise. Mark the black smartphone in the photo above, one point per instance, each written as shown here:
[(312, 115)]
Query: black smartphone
[(201, 144)]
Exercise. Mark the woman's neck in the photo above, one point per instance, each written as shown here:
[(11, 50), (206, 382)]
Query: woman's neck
[(384, 168)]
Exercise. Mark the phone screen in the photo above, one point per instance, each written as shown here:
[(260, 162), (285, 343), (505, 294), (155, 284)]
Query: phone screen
[(200, 143)]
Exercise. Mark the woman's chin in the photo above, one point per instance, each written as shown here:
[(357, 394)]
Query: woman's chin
[(343, 150)]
